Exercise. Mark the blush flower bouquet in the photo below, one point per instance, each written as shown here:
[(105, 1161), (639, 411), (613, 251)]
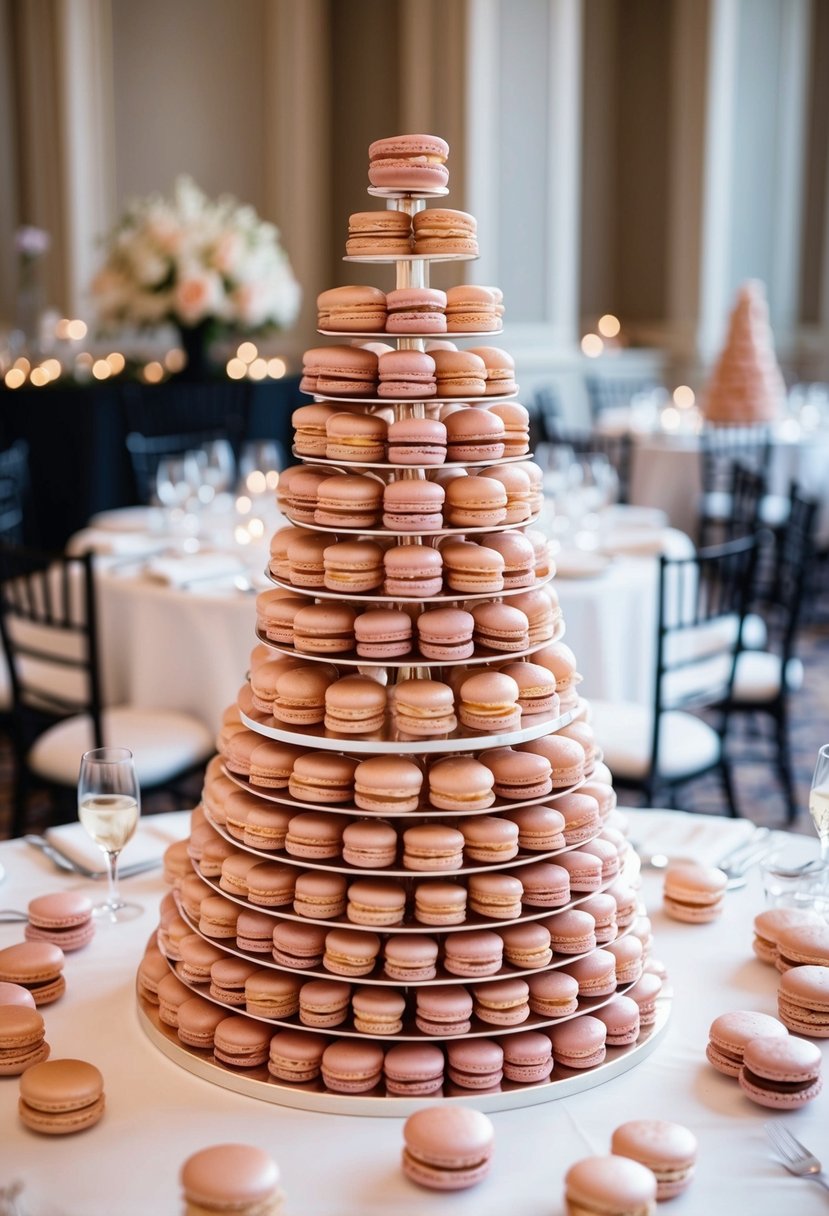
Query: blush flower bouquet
[(194, 262)]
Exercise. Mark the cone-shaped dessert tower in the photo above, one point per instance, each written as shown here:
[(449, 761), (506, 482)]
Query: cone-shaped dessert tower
[(405, 857), (746, 384)]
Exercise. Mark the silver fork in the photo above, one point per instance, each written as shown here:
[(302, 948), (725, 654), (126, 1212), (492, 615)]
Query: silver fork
[(795, 1156)]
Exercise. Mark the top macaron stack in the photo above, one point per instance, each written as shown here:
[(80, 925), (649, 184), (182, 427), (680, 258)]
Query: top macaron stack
[(394, 800)]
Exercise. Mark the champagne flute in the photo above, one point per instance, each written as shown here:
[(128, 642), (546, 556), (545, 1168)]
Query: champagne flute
[(819, 801), (108, 807)]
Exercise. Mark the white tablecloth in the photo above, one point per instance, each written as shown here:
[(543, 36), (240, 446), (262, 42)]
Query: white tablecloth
[(186, 649), (665, 472), (157, 1113)]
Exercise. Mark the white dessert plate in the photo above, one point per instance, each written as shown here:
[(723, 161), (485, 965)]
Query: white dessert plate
[(580, 563)]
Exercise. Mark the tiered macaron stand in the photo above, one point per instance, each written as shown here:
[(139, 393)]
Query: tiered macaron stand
[(411, 270)]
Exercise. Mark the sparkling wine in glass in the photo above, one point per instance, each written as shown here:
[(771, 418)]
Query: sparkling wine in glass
[(819, 801), (109, 804)]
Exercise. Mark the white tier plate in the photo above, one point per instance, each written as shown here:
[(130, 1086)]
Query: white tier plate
[(458, 530), (391, 258), (350, 465), (445, 597), (257, 1083), (473, 921), (390, 192), (446, 336), (336, 865), (489, 399), (480, 655), (318, 738), (499, 806)]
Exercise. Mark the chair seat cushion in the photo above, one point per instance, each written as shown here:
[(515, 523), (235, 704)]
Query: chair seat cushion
[(757, 677), (687, 745), (164, 743)]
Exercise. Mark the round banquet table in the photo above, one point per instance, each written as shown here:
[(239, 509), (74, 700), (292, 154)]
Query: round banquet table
[(168, 646), (665, 471), (334, 1165)]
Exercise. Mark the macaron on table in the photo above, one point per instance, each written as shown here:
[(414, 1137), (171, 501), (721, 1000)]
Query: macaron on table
[(408, 686)]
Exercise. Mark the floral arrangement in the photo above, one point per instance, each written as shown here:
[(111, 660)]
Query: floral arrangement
[(188, 260)]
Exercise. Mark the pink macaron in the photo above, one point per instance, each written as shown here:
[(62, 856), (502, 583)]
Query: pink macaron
[(730, 1034), (579, 1043), (669, 1150), (528, 1057), (408, 162), (621, 1018), (350, 1067), (409, 957), (406, 374), (443, 1009), (474, 954), (693, 893), (595, 974), (416, 310), (475, 1063), (413, 1069), (64, 918), (781, 1073), (412, 571), (503, 1002), (803, 1001), (611, 1185), (447, 1148)]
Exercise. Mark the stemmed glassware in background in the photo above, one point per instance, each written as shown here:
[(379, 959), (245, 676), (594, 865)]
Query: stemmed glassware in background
[(219, 467), (108, 807), (819, 801)]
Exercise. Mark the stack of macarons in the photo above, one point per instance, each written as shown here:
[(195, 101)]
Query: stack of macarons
[(335, 899), (407, 311), (504, 564), (332, 372)]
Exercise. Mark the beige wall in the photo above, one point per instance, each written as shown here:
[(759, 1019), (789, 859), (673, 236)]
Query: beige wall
[(189, 95)]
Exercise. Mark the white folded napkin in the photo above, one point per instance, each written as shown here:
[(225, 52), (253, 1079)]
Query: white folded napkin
[(633, 542), (108, 543), (152, 836), (580, 563), (681, 834), (195, 570)]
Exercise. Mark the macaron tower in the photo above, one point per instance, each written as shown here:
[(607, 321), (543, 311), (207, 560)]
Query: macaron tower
[(386, 842)]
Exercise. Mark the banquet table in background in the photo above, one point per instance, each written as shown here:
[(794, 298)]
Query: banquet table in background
[(78, 460), (666, 471), (186, 646), (157, 1113)]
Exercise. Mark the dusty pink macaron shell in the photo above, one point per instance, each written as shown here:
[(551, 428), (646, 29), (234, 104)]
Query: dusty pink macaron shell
[(16, 994), (475, 1063), (781, 1073), (474, 954), (668, 1149), (447, 1148), (413, 1069), (230, 1177), (730, 1034), (579, 1043), (350, 1067), (528, 1057), (611, 1185), (64, 918), (694, 893), (621, 1018), (803, 1001)]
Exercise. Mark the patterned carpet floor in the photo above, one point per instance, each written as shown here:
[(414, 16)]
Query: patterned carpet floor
[(759, 795)]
